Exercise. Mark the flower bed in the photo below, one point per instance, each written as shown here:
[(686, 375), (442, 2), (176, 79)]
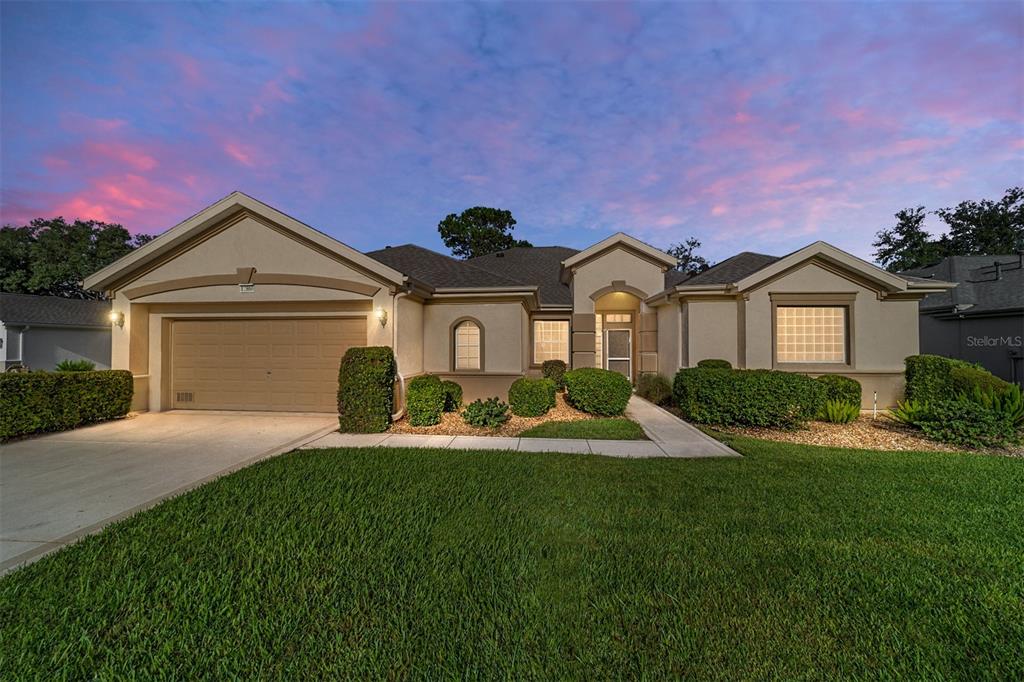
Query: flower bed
[(452, 424)]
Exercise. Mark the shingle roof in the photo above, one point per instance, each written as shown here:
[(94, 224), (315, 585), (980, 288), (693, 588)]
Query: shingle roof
[(438, 270), (18, 309), (979, 288), (539, 265), (733, 269)]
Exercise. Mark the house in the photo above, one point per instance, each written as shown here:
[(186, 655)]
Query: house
[(37, 332), (244, 307), (982, 319)]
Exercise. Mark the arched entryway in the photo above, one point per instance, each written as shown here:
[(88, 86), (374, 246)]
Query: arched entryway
[(616, 345)]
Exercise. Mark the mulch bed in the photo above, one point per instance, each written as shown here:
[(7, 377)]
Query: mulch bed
[(453, 425), (865, 433)]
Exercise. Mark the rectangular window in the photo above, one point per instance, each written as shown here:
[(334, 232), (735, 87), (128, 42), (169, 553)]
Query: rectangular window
[(618, 317), (598, 342), (467, 346), (810, 334), (550, 340)]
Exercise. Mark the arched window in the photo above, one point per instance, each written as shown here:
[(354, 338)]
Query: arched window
[(467, 352)]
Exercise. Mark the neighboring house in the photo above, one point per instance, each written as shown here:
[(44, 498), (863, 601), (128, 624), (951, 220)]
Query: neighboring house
[(244, 307), (37, 332), (982, 319)]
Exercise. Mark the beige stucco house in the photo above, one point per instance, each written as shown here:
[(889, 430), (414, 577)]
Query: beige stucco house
[(242, 307)]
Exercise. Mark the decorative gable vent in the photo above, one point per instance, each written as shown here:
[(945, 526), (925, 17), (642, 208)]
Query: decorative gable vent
[(184, 397)]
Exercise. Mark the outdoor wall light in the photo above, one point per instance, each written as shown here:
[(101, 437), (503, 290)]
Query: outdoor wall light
[(116, 317), (382, 317)]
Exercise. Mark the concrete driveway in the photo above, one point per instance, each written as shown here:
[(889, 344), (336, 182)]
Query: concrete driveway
[(57, 488)]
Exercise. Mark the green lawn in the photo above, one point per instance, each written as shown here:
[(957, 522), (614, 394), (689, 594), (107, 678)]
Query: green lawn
[(793, 562), (612, 428)]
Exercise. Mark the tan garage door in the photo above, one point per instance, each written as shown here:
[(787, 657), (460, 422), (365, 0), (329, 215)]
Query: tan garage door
[(288, 365)]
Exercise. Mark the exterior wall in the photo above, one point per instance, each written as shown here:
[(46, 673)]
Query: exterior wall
[(44, 347), (993, 342), (713, 330), (669, 339), (409, 344), (616, 264), (505, 336)]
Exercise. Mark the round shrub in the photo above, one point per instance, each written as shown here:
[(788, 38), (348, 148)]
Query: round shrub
[(714, 363), (554, 370), (490, 413), (366, 389), (597, 391), (964, 380), (759, 397), (966, 423), (840, 389), (425, 400), (531, 397), (452, 396), (655, 388)]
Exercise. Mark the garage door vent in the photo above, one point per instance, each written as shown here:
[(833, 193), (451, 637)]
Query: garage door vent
[(183, 397)]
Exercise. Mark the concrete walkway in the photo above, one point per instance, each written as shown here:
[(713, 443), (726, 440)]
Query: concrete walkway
[(59, 487), (669, 437)]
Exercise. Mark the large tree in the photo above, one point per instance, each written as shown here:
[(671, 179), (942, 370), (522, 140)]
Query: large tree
[(479, 231), (686, 255), (51, 257), (976, 228)]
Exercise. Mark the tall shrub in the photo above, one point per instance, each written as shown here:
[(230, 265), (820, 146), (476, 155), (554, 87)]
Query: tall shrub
[(531, 397), (655, 388), (597, 391), (452, 395), (756, 397), (366, 389), (425, 400), (35, 402)]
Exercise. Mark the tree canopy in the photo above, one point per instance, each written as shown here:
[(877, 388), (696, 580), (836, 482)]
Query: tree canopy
[(976, 228), (688, 259), (479, 231), (51, 257)]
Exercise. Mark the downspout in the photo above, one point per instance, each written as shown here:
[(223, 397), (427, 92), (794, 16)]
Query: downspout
[(394, 347)]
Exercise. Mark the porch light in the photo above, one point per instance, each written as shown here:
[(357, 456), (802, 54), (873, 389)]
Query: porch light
[(382, 317), (116, 317)]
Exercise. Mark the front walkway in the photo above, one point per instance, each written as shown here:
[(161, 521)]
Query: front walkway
[(669, 437)]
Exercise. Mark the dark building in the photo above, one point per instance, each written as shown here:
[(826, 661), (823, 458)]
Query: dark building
[(982, 319)]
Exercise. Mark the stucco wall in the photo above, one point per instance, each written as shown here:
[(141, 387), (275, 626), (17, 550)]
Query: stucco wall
[(713, 330), (669, 339), (616, 264), (505, 335), (409, 349)]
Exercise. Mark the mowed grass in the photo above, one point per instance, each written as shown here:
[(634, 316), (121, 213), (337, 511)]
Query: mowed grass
[(612, 428), (794, 562)]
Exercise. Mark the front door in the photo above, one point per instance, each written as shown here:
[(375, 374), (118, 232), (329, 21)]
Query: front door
[(619, 351)]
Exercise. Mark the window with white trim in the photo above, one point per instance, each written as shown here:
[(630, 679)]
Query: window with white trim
[(550, 340), (467, 345), (811, 334)]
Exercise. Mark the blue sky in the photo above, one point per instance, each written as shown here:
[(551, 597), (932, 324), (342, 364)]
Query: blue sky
[(750, 126)]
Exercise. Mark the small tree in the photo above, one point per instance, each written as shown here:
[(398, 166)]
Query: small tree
[(688, 260), (479, 231)]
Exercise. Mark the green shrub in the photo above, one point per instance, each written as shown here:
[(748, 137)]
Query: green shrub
[(36, 402), (425, 400), (1009, 402), (490, 413), (554, 370), (531, 397), (839, 412), (964, 380), (452, 396), (75, 366), (757, 397), (930, 377), (366, 389), (714, 363), (910, 411), (967, 424), (841, 389), (655, 388), (597, 391)]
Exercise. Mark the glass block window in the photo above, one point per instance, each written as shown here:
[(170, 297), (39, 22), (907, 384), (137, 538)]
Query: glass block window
[(812, 334), (550, 340), (598, 347), (467, 346)]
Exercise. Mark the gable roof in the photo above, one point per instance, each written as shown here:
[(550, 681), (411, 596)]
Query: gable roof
[(733, 269), (215, 214), (55, 311), (438, 270), (539, 265), (982, 286), (620, 239)]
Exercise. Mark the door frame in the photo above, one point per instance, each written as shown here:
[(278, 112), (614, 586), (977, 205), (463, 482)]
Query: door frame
[(629, 358)]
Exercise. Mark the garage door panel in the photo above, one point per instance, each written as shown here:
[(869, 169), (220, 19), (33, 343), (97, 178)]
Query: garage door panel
[(260, 364)]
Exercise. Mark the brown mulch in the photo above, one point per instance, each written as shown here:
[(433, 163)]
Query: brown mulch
[(865, 433), (452, 424)]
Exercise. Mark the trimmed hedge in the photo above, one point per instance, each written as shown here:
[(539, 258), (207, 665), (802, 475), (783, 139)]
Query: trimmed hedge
[(655, 388), (965, 379), (36, 402), (930, 377), (841, 389), (966, 423), (452, 395), (366, 389), (531, 397), (714, 363), (758, 397), (554, 370), (425, 400), (597, 391)]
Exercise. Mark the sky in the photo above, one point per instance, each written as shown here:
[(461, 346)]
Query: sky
[(749, 126)]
